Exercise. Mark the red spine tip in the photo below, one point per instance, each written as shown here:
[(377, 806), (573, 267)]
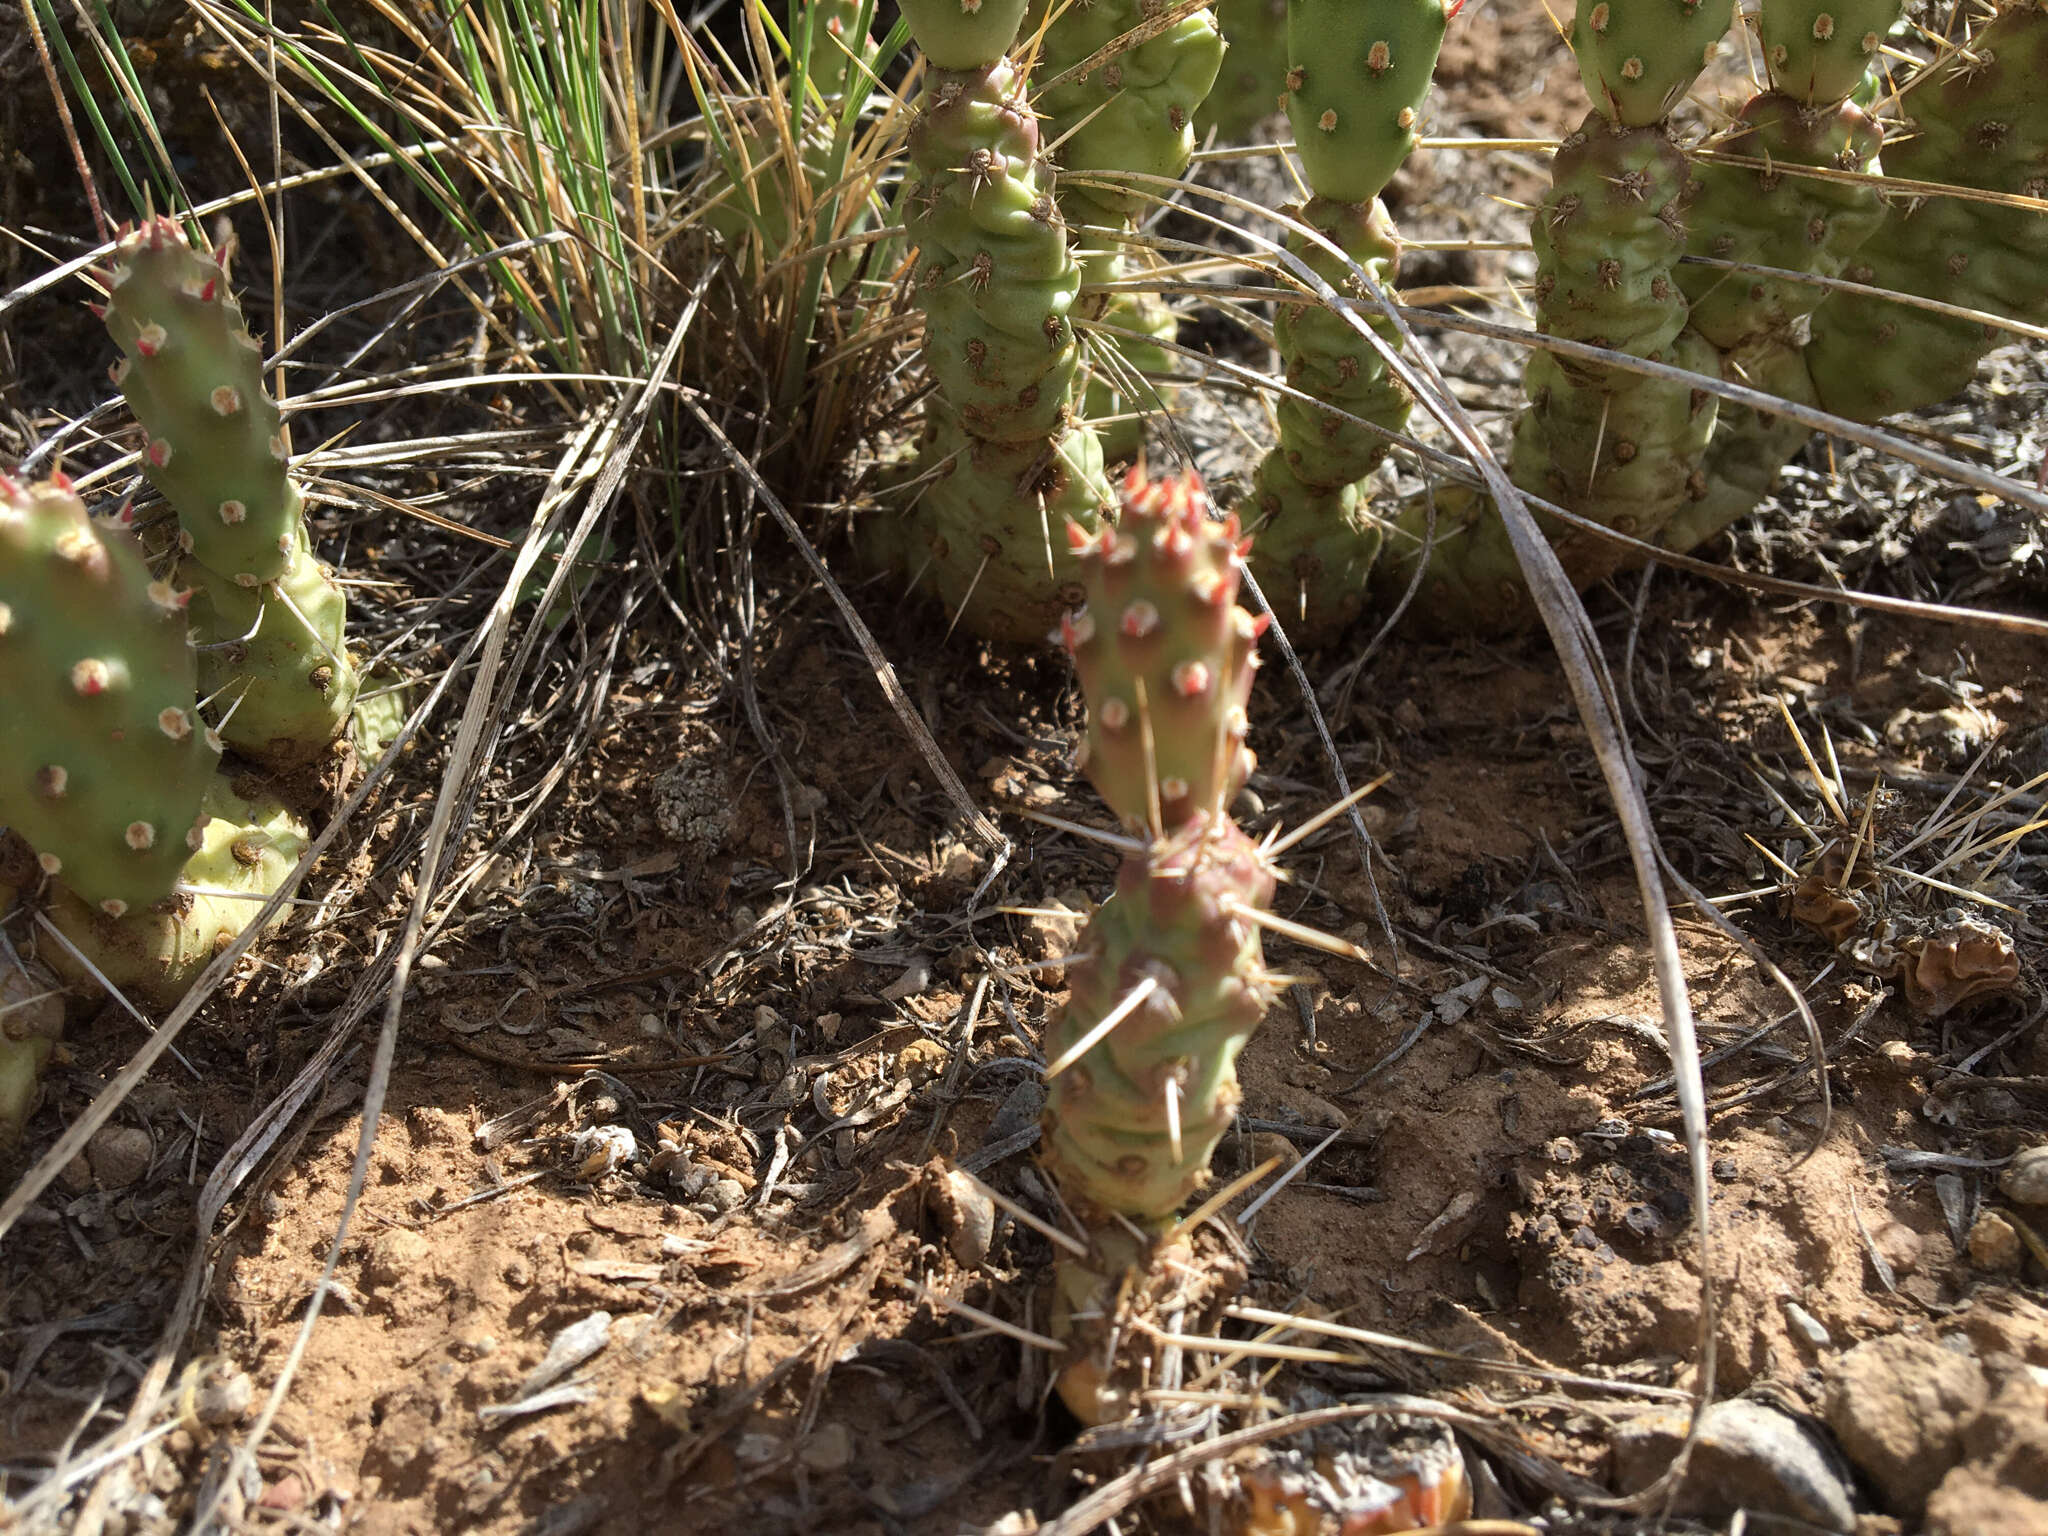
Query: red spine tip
[(1078, 538)]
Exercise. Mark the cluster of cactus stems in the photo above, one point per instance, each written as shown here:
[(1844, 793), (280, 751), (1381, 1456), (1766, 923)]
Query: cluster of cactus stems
[(1134, 112), (268, 620), (108, 773), (1168, 981), (1356, 80), (1005, 460)]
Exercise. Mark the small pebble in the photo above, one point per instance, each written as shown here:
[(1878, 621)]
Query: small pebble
[(726, 1194), (1806, 1325), (119, 1155), (1995, 1245), (829, 1449), (2025, 1180)]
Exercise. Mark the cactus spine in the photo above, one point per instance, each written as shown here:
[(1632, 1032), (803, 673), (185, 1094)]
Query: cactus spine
[(1355, 85), (1817, 54), (107, 775), (1133, 113), (270, 622), (1172, 962), (997, 286), (1979, 120)]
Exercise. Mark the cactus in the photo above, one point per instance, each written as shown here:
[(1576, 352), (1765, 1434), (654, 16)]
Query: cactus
[(1980, 120), (997, 284), (1248, 86), (103, 757), (270, 619), (1763, 217), (1133, 113), (1355, 87), (147, 863), (31, 1024), (1172, 961), (1614, 446)]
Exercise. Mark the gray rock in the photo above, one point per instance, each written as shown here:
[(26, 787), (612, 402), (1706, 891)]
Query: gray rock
[(1750, 1457)]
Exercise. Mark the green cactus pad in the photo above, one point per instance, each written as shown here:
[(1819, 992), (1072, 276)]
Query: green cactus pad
[(1316, 540), (1980, 121), (1313, 552), (1174, 924), (1614, 446), (193, 376), (103, 756), (1165, 656), (1770, 219), (1357, 75), (275, 659), (154, 956), (994, 276), (1818, 51), (1131, 114), (985, 536), (963, 34), (1749, 447), (1250, 84), (1638, 58), (1474, 583)]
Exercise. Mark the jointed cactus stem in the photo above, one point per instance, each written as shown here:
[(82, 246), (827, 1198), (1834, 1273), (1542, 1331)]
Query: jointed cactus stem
[(1355, 86), (1134, 113), (997, 285), (1170, 979), (271, 619)]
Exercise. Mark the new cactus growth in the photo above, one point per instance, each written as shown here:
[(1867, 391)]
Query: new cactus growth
[(1354, 89), (1171, 980), (1979, 120), (144, 861), (1133, 113), (1008, 461), (215, 448)]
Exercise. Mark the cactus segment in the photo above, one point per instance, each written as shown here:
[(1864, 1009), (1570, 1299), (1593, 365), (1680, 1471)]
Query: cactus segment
[(1169, 937), (1356, 78), (1818, 51), (1165, 656), (1316, 539), (154, 955), (1134, 113), (1007, 464), (985, 536), (1639, 57), (1980, 121), (216, 450), (1248, 87), (31, 1024), (194, 377), (1614, 446), (103, 756), (1749, 446), (963, 34), (1766, 218), (274, 658)]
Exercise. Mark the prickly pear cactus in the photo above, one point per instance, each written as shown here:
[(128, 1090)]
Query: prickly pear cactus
[(996, 281), (1171, 962), (1133, 113), (1354, 88), (103, 757), (1981, 121), (1248, 87), (215, 447)]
